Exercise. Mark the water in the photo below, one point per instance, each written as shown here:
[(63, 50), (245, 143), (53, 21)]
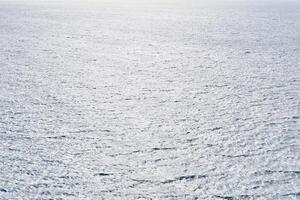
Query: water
[(149, 102)]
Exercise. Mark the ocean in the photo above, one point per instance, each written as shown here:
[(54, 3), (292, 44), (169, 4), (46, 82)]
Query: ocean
[(149, 101)]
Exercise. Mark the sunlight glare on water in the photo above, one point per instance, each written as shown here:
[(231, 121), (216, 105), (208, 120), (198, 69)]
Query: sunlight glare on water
[(148, 101)]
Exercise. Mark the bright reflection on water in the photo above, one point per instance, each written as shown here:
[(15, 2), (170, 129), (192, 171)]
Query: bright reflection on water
[(161, 102)]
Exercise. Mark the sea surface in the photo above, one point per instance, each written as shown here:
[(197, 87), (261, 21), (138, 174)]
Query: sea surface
[(149, 101)]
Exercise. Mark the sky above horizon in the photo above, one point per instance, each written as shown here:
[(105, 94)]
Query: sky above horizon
[(153, 1), (176, 3)]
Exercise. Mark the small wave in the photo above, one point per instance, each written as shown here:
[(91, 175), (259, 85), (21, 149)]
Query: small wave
[(103, 174), (277, 171), (296, 194), (3, 190), (235, 198), (186, 178), (162, 148)]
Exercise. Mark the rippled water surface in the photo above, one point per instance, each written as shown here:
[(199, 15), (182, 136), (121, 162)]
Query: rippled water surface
[(149, 102)]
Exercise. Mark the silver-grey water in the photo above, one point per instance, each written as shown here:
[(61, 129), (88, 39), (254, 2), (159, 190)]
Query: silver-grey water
[(149, 102)]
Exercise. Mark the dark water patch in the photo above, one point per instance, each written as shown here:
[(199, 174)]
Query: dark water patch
[(83, 131), (3, 190), (266, 172), (133, 152), (168, 181), (124, 154), (236, 156), (221, 86), (241, 155), (105, 130), (256, 187), (286, 172), (191, 177), (177, 101), (244, 196), (142, 180), (77, 154), (239, 197), (57, 137), (12, 149), (103, 174), (46, 193), (215, 129), (185, 178), (295, 194), (68, 194), (296, 117), (162, 148), (157, 160), (53, 161), (192, 139), (66, 177), (40, 185), (139, 182), (225, 197)]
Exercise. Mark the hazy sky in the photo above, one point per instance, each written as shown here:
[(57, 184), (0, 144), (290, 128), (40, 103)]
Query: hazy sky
[(151, 1), (156, 2)]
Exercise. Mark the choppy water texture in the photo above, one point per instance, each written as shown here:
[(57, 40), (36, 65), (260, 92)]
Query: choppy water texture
[(149, 102)]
